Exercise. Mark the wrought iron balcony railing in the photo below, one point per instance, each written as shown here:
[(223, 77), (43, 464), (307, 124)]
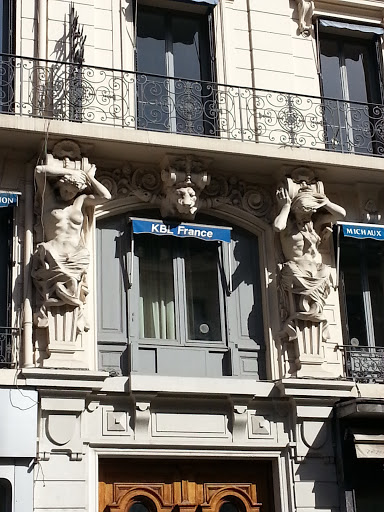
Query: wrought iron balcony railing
[(364, 364), (8, 339), (85, 94)]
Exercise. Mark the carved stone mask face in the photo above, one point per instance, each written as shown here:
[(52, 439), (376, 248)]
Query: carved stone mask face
[(186, 200)]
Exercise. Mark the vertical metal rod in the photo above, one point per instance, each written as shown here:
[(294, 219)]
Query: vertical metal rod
[(241, 115), (337, 257), (132, 257), (230, 283)]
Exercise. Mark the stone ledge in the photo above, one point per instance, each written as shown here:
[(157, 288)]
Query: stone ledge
[(63, 378), (201, 385), (316, 388)]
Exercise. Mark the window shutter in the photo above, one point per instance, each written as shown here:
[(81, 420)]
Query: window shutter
[(112, 296), (245, 318)]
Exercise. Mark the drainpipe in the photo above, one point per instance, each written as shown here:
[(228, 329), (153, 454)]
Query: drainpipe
[(42, 8), (250, 32), (28, 250)]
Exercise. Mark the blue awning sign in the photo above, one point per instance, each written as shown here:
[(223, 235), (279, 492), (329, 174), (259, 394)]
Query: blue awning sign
[(8, 199), (181, 230), (374, 231)]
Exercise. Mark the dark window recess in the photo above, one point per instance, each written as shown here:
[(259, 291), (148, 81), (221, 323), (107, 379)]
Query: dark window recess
[(174, 63), (5, 495), (6, 63), (167, 310), (362, 267), (351, 85), (5, 264)]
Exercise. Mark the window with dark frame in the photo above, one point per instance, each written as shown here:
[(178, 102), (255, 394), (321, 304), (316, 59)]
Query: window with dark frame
[(351, 86), (174, 62), (362, 279), (7, 21), (180, 305), (6, 224), (5, 495)]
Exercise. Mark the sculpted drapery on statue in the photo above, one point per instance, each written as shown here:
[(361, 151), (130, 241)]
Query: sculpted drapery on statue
[(304, 222), (67, 193)]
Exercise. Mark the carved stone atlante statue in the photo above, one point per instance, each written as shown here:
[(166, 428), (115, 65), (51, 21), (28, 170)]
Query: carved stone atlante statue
[(67, 193), (304, 220)]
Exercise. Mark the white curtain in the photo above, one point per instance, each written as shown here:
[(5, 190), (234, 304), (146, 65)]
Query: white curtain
[(157, 301)]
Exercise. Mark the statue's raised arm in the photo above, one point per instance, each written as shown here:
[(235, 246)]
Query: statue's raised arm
[(67, 191), (304, 220)]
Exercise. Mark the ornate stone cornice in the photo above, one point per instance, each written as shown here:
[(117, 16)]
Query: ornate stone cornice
[(150, 186)]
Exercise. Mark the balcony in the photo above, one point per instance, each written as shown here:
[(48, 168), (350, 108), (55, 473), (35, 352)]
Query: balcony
[(8, 337), (364, 364), (125, 99)]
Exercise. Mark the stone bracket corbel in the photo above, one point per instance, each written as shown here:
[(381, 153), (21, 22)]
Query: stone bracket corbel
[(239, 422), (61, 427), (305, 10), (142, 418)]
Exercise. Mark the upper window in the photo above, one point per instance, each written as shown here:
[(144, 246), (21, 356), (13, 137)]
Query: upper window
[(6, 26), (174, 63), (351, 86), (181, 306), (6, 47)]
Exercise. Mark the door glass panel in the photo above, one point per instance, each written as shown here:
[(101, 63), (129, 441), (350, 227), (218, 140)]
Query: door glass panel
[(152, 91), (202, 290), (186, 47), (375, 269), (350, 263), (334, 113), (349, 72), (356, 58), (157, 296), (175, 46)]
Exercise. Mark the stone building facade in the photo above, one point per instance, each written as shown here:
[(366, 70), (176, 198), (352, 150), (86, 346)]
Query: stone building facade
[(192, 289)]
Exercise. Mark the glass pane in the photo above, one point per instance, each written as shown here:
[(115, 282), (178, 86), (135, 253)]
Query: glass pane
[(138, 507), (375, 269), (228, 507), (350, 265), (194, 101), (355, 57), (157, 297), (334, 110), (186, 47), (202, 290), (330, 69), (151, 43), (152, 91)]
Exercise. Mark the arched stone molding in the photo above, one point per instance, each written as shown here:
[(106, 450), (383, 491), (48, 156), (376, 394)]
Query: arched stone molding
[(147, 185)]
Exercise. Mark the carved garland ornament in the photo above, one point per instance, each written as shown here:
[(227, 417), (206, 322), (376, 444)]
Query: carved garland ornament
[(181, 194)]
